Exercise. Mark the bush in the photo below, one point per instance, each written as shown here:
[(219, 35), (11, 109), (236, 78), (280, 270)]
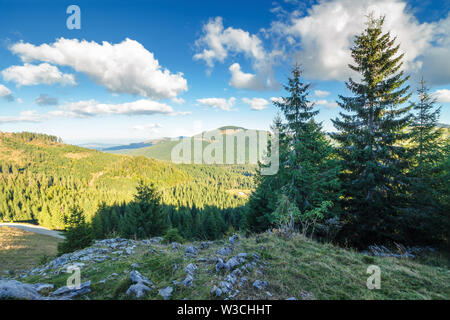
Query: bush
[(172, 235), (78, 233)]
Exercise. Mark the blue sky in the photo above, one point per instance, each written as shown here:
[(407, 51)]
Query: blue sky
[(144, 69)]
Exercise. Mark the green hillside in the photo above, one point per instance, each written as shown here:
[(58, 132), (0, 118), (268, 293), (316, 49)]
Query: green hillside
[(42, 178), (162, 149)]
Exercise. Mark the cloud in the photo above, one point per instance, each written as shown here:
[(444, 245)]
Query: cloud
[(442, 95), (325, 34), (30, 75), (24, 116), (178, 100), (91, 108), (220, 103), (5, 93), (256, 104), (321, 94), (220, 41), (241, 80), (125, 67), (435, 67), (277, 99), (217, 43), (327, 104), (151, 127), (46, 100)]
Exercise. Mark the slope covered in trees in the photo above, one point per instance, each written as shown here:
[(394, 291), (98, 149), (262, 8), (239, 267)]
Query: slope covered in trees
[(42, 179)]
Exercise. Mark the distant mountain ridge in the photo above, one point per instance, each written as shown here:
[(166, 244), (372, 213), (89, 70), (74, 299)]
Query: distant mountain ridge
[(161, 149)]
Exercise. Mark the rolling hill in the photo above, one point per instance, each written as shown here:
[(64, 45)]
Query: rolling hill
[(162, 149), (41, 178)]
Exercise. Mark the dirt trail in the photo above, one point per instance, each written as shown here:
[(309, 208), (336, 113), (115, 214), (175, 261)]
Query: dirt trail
[(33, 228)]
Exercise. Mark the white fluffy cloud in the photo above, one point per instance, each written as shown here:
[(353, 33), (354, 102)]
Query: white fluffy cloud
[(219, 103), (321, 93), (24, 116), (325, 34), (30, 75), (243, 80), (5, 92), (442, 95), (327, 104), (125, 67), (256, 104), (277, 99), (218, 43), (91, 108)]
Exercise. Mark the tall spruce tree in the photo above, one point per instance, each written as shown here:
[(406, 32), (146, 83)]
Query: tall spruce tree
[(425, 133), (307, 174), (370, 137), (426, 219)]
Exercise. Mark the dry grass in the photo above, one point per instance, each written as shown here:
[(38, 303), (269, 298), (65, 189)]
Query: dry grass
[(79, 155), (21, 249)]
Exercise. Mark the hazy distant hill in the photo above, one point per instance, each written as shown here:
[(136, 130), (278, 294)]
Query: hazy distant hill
[(162, 149)]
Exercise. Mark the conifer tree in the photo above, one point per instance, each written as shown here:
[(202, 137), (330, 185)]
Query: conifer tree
[(425, 133), (371, 134), (307, 175)]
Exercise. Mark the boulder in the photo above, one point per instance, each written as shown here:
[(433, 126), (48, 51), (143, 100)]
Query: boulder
[(166, 292), (224, 251), (233, 239), (136, 277), (190, 269), (138, 290), (13, 289), (259, 284), (191, 250), (71, 292)]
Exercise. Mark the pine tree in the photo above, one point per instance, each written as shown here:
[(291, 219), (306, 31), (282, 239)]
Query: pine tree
[(148, 214), (307, 174), (426, 219), (425, 133), (78, 233), (370, 136), (310, 171)]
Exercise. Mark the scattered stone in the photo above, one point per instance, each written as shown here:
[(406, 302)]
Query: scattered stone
[(135, 265), (71, 292), (220, 265), (102, 281), (216, 291), (226, 287), (138, 290), (166, 292), (242, 255), (291, 298), (188, 281), (176, 245), (233, 263), (224, 251), (233, 239), (191, 250), (259, 284), (242, 281), (136, 277), (190, 269), (268, 293), (44, 287), (13, 289), (204, 245), (231, 278)]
